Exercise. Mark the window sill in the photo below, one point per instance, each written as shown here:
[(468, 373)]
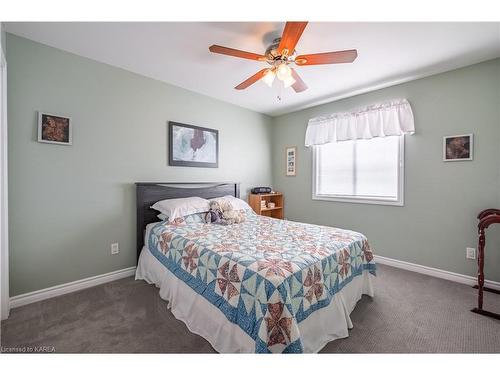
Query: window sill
[(384, 202)]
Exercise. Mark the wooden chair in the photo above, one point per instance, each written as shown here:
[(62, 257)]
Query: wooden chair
[(486, 218)]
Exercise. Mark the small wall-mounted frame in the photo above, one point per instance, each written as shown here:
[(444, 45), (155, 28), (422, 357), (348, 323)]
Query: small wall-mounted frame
[(291, 161), (55, 129), (458, 147)]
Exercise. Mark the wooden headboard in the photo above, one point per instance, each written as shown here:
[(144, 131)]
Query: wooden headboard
[(149, 193)]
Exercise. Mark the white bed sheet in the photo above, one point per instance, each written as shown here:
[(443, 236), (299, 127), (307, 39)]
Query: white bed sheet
[(203, 318)]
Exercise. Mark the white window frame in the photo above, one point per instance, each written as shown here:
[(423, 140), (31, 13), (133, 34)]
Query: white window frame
[(399, 201)]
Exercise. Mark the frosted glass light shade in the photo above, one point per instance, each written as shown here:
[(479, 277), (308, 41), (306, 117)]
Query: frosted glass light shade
[(283, 72), (288, 81), (268, 78)]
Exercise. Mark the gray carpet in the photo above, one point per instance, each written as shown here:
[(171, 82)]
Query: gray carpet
[(410, 313)]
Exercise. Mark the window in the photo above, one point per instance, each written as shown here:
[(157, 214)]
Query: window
[(360, 171)]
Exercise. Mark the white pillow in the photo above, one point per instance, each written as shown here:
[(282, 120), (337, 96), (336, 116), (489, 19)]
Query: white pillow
[(179, 207), (237, 203)]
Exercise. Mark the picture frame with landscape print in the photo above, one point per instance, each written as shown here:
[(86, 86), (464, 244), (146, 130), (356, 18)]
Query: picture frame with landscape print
[(458, 147), (291, 161), (56, 129), (192, 146)]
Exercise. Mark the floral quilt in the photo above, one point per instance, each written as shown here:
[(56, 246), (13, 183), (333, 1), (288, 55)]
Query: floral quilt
[(266, 275)]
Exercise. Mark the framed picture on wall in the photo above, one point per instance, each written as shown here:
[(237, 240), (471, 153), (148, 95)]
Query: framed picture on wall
[(192, 146), (291, 160), (458, 147), (55, 129)]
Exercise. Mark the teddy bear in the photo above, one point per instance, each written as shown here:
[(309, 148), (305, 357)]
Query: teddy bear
[(214, 215), (230, 215), (222, 212)]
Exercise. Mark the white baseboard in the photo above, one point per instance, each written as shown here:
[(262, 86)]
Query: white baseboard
[(58, 290), (436, 272)]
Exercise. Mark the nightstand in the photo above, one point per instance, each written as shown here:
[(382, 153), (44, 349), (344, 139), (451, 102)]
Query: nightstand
[(254, 200)]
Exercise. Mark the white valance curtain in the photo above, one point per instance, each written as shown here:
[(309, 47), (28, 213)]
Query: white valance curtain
[(379, 120)]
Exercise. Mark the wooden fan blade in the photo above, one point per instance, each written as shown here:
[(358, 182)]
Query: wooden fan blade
[(236, 53), (290, 37), (338, 57), (299, 84), (250, 81)]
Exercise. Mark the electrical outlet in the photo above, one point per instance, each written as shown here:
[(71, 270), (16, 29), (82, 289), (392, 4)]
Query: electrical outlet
[(470, 253), (115, 249)]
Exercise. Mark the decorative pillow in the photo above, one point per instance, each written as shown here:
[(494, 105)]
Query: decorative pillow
[(237, 203), (180, 207)]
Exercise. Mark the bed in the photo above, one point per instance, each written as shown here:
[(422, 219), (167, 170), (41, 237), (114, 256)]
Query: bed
[(265, 285)]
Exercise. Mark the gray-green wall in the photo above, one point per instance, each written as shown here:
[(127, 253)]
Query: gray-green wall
[(442, 199), (69, 203)]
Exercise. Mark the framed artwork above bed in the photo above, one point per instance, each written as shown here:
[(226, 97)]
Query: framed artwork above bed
[(192, 146)]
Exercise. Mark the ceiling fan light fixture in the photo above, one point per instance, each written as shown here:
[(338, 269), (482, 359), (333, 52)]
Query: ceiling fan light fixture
[(283, 71), (280, 54), (288, 81), (268, 78)]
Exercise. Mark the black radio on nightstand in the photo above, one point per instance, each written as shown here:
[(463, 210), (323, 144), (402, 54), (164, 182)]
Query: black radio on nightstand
[(261, 190)]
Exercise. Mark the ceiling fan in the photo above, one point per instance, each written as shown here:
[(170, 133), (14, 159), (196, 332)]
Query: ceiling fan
[(280, 54)]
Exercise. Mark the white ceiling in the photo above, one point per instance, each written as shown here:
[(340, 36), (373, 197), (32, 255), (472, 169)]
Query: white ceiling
[(177, 53)]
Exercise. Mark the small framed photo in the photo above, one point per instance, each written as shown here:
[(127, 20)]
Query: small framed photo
[(291, 161), (54, 129), (458, 147)]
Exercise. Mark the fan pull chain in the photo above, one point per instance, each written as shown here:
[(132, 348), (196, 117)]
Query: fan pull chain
[(280, 91)]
